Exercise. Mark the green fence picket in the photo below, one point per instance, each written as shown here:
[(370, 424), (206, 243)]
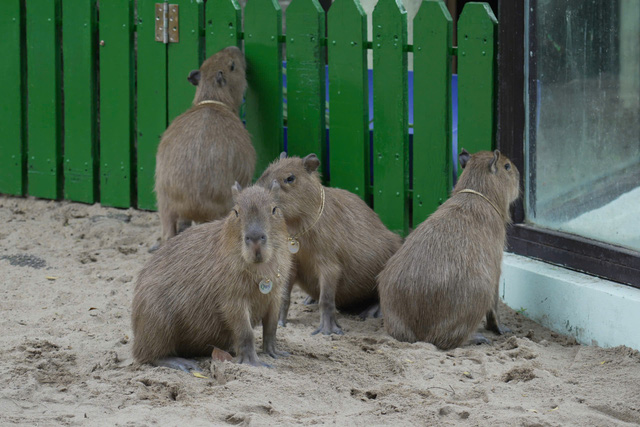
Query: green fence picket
[(152, 101), (79, 24), (390, 133), (348, 97), (44, 101), (116, 103), (12, 80), (432, 165), (223, 23), (184, 56), (306, 128), (476, 77), (263, 27)]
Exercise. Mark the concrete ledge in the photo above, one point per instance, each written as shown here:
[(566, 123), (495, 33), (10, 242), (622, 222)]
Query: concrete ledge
[(593, 310)]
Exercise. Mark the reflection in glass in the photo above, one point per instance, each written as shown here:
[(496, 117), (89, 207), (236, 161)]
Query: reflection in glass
[(583, 118)]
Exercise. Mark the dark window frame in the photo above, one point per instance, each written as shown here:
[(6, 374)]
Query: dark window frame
[(571, 251)]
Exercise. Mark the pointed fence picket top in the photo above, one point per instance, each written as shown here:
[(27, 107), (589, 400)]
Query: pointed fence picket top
[(184, 56), (432, 165), (152, 101), (390, 112), (306, 129), (476, 77), (349, 97), (79, 23), (263, 51), (12, 120), (223, 24), (44, 108), (117, 183)]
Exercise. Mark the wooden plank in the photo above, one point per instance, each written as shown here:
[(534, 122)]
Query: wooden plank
[(116, 103), (306, 93), (390, 111), (185, 56), (79, 25), (432, 157), (151, 101), (349, 97), (44, 106), (476, 78), (223, 24), (12, 102), (263, 27)]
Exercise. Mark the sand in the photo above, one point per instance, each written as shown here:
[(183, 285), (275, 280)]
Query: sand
[(68, 273)]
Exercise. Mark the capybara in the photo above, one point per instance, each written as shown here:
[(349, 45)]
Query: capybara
[(207, 148), (444, 278), (341, 243), (210, 285)]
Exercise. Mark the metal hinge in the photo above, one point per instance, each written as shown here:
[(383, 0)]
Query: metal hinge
[(167, 28)]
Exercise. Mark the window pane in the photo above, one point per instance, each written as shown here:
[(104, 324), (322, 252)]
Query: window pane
[(583, 118)]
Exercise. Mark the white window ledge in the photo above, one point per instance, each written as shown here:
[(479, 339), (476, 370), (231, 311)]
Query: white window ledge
[(593, 310)]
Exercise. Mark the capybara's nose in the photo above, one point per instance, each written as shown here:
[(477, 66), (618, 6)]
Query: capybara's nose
[(255, 237)]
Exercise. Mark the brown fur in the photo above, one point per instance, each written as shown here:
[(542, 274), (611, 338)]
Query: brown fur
[(343, 252), (200, 290), (444, 278), (205, 149)]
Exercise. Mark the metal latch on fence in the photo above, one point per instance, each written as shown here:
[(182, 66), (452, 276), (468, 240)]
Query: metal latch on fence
[(167, 23)]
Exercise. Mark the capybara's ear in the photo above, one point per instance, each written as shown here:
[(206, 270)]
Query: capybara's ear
[(194, 77), (311, 162), (275, 186), (220, 79), (236, 188), (464, 157), (283, 155), (493, 165)]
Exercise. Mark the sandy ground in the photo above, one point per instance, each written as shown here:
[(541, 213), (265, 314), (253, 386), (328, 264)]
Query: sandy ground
[(68, 272)]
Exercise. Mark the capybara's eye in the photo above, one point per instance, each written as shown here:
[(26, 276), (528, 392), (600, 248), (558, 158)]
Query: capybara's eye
[(273, 211), (290, 179), (236, 212), (233, 66), (507, 166)]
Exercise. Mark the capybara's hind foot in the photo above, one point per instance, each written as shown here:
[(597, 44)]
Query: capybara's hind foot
[(373, 311), (155, 247), (477, 339), (179, 363), (309, 301)]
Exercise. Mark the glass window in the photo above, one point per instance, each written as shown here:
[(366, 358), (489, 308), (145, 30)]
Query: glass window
[(583, 118)]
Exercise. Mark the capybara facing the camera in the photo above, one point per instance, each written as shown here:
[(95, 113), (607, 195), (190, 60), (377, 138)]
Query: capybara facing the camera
[(207, 148), (210, 285), (445, 277), (340, 244)]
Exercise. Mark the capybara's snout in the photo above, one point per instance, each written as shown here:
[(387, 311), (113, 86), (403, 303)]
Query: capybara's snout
[(254, 239)]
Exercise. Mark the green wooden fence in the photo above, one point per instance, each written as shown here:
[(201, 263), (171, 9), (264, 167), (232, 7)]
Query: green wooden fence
[(89, 91)]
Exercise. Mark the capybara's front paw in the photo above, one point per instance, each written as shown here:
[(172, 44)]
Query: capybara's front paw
[(501, 330), (328, 328), (253, 361)]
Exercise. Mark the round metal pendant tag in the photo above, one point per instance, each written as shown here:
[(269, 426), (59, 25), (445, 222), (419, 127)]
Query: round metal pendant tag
[(294, 246), (265, 286)]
